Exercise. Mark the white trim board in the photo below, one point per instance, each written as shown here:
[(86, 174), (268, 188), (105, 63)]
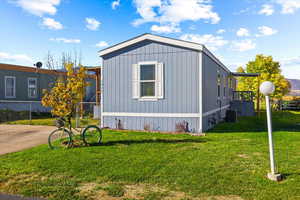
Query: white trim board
[(171, 115), (151, 37), (200, 95), (215, 110), (130, 114)]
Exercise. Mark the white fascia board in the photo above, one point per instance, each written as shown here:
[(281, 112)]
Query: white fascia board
[(155, 38)]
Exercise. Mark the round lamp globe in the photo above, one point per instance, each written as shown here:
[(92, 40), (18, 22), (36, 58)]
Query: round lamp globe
[(267, 88)]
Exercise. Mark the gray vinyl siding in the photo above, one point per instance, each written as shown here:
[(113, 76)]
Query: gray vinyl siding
[(181, 88), (210, 90), (43, 81), (22, 101), (180, 78)]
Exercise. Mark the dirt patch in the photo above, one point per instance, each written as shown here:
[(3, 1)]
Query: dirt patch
[(14, 184), (257, 154), (94, 191), (229, 197), (243, 156)]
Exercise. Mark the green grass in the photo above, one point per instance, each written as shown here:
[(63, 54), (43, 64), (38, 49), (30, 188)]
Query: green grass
[(221, 165), (51, 122)]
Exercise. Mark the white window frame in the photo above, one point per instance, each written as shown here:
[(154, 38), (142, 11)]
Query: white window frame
[(28, 91), (14, 78), (149, 98), (219, 81), (224, 87)]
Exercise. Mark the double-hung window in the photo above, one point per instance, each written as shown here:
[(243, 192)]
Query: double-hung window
[(225, 86), (219, 84), (32, 87), (10, 86), (147, 80)]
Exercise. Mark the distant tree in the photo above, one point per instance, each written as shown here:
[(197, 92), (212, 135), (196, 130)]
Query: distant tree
[(66, 93), (269, 70), (59, 62)]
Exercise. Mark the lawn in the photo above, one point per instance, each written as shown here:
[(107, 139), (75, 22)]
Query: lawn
[(230, 162)]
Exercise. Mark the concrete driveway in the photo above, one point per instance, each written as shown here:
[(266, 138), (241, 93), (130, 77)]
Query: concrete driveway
[(18, 137)]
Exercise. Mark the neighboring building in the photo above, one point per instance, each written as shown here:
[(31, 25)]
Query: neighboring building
[(20, 85), (163, 84), (295, 87)]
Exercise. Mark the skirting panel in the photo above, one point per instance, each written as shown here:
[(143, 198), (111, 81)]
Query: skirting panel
[(164, 124)]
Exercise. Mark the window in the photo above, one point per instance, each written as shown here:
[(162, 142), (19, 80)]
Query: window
[(148, 81), (32, 87), (224, 86), (230, 82), (219, 84), (10, 87)]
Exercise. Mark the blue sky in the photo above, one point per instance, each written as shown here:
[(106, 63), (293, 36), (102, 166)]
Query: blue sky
[(235, 30)]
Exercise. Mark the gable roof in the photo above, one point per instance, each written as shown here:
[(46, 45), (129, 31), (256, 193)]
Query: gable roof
[(166, 40), (156, 38)]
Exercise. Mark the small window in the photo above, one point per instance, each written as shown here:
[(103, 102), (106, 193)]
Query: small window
[(10, 87), (230, 82), (225, 85), (147, 80), (219, 84), (32, 87)]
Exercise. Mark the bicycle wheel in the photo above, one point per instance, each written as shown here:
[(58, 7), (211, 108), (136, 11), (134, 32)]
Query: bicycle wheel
[(92, 135), (60, 138)]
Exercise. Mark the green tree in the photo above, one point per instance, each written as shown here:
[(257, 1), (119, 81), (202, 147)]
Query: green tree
[(269, 71)]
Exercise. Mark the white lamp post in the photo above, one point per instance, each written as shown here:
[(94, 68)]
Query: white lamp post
[(267, 88)]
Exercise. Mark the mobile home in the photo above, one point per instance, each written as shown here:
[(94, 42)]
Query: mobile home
[(163, 84)]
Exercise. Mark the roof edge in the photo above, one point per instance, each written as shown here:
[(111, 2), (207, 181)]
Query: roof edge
[(162, 39), (156, 38)]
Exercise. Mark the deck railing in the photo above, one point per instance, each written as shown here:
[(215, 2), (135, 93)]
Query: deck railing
[(243, 95)]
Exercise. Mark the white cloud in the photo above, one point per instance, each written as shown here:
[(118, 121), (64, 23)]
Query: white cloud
[(172, 28), (243, 45), (92, 23), (289, 6), (175, 11), (38, 7), (221, 31), (266, 10), (291, 61), (15, 58), (211, 41), (66, 40), (50, 23), (115, 4), (102, 44), (243, 32), (243, 11), (266, 31)]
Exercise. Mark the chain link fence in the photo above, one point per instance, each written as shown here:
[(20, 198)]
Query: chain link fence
[(11, 111)]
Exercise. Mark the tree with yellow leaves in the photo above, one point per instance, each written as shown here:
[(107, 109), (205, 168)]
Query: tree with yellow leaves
[(66, 94), (269, 71)]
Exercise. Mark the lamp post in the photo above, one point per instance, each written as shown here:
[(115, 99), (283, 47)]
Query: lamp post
[(267, 88)]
